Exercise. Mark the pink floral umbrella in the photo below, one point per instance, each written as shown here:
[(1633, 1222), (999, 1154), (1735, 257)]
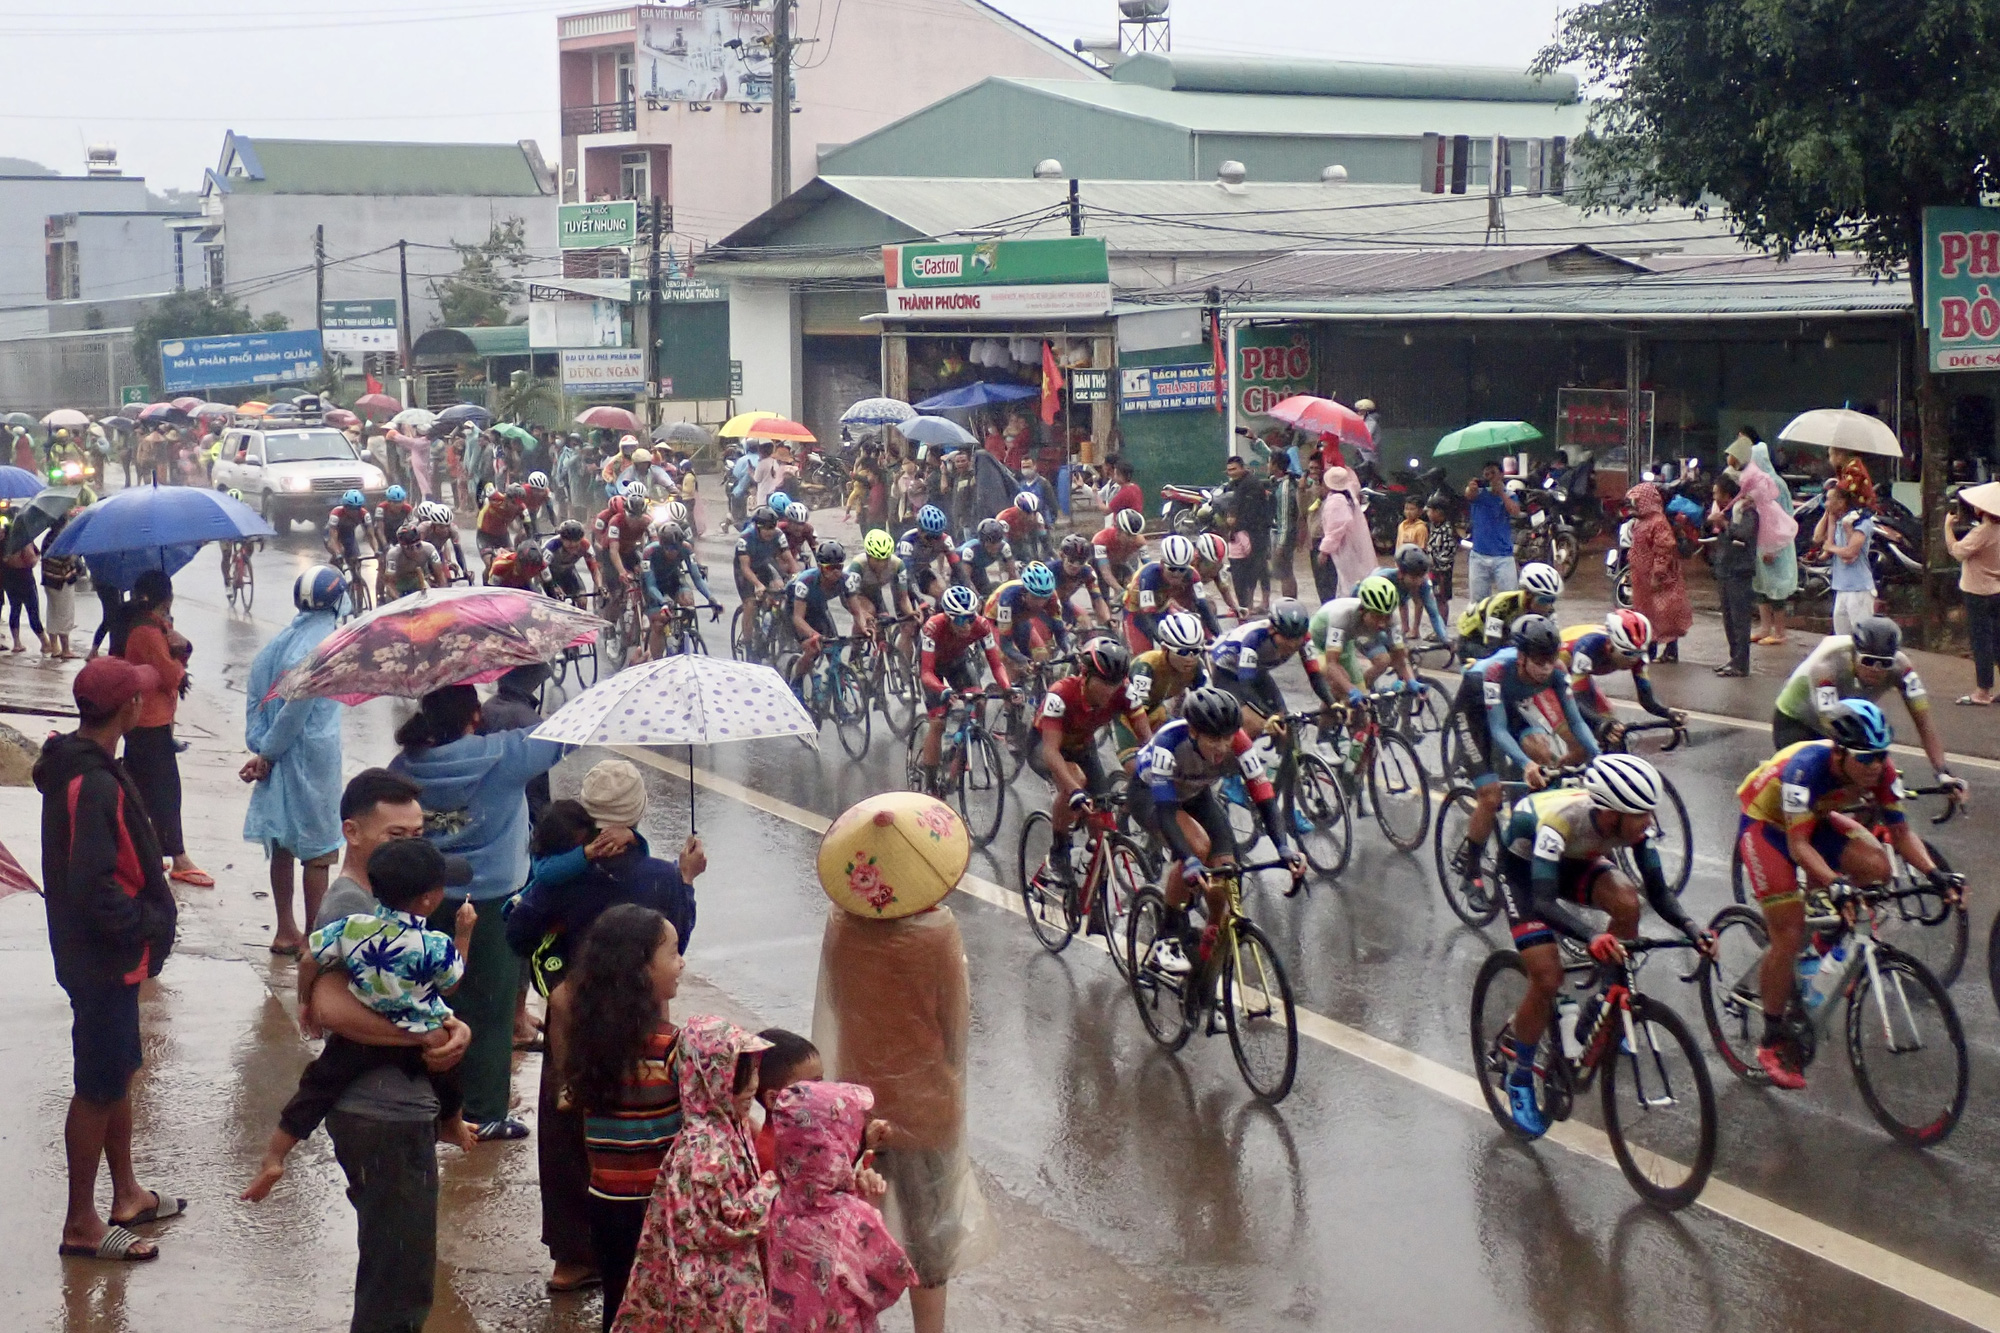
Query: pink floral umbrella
[(1322, 416), (428, 640)]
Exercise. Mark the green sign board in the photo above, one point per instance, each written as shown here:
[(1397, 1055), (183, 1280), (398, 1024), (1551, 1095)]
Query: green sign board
[(133, 393), (605, 226), (1962, 287), (1056, 261)]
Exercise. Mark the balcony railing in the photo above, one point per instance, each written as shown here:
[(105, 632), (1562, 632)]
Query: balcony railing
[(604, 118)]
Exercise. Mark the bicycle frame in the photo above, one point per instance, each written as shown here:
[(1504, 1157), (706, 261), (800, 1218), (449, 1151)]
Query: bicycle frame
[(1854, 914)]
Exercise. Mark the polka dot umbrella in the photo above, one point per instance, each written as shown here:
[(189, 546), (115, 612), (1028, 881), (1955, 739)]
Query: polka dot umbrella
[(686, 700)]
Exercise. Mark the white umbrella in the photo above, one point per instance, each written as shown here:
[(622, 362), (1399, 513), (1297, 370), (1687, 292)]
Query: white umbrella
[(414, 418), (878, 412), (1842, 428), (684, 700), (936, 430), (66, 416)]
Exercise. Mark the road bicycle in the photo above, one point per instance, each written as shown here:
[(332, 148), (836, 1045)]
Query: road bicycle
[(240, 576), (970, 774), (360, 597), (753, 628), (837, 688), (1014, 721), (1663, 1131), (1673, 832), (1310, 800), (1426, 711), (1473, 892), (1237, 984), (679, 629), (1904, 1040), (1380, 768), (626, 639), (1108, 872), (893, 682), (1932, 927)]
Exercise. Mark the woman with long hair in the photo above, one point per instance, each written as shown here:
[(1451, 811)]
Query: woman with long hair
[(150, 753)]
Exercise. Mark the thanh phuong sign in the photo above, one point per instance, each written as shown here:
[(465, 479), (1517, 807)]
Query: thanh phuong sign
[(1183, 388), (1962, 287), (612, 225)]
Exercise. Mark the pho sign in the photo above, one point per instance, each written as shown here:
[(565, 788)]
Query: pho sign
[(1962, 287), (1272, 364), (606, 226)]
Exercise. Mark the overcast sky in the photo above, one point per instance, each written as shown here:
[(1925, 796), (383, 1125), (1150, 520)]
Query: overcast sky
[(162, 79)]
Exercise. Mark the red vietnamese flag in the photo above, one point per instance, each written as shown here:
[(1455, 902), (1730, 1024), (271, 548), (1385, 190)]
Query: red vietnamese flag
[(374, 385), (1052, 385)]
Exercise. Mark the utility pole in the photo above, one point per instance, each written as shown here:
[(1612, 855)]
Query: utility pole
[(1075, 209), (403, 357), (319, 288), (653, 307), (781, 100)]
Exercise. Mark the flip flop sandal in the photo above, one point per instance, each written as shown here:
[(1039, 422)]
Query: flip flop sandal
[(199, 879), (1967, 701), (589, 1283), (286, 950), (494, 1130), (117, 1244), (164, 1207)]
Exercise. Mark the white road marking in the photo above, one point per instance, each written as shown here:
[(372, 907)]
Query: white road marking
[(1745, 724), (1863, 1258)]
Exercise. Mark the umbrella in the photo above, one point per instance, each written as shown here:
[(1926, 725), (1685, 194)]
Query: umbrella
[(459, 413), (17, 419), (606, 417), (188, 403), (687, 699), (167, 412), (739, 425), (414, 418), (377, 406), (878, 412), (442, 636), (936, 430), (977, 394), (340, 416), (1321, 416), (1482, 436), (65, 416), (777, 428), (155, 527), (115, 423), (1840, 428), (39, 516), (213, 410), (253, 408), (681, 432), (17, 483), (514, 432)]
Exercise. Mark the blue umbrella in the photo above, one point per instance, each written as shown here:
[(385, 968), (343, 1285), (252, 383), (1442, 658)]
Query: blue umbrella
[(936, 430), (155, 527), (17, 483), (878, 412), (977, 394), (459, 413)]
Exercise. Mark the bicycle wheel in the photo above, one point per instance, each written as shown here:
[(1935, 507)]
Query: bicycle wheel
[(1732, 996), (1326, 835), (1497, 992), (359, 601), (980, 790), (1564, 551), (913, 752), (1663, 1131), (901, 699), (1923, 925), (1161, 997), (1127, 873), (248, 590), (1473, 904), (1257, 1007), (1907, 1049), (851, 714), (1673, 839), (1426, 724), (1047, 905), (1400, 791)]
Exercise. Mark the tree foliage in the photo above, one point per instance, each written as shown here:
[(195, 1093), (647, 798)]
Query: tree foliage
[(487, 282), (199, 313), (1814, 124)]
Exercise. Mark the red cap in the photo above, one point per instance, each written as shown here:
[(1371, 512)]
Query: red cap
[(106, 683)]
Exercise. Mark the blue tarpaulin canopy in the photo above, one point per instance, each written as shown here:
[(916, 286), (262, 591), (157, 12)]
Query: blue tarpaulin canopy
[(977, 394)]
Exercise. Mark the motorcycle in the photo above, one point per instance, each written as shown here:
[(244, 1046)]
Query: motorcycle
[(1189, 510), (823, 479), (1574, 491), (1541, 532)]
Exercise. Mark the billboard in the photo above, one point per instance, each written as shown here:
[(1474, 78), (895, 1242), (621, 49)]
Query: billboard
[(604, 226), (1184, 388), (604, 370), (1961, 273), (1057, 261), (705, 52), (359, 326), (1273, 362), (237, 359)]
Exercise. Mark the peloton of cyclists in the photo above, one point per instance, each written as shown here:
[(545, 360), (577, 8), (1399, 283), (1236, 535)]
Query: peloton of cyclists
[(1167, 584)]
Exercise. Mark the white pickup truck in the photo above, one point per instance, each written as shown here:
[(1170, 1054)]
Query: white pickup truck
[(295, 473)]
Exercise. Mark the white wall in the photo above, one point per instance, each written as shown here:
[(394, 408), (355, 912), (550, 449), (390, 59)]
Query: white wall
[(125, 255), (764, 336), (25, 205)]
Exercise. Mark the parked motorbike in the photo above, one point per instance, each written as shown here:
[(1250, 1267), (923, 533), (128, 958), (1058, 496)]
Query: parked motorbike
[(1541, 532), (1574, 491), (823, 479), (1188, 510)]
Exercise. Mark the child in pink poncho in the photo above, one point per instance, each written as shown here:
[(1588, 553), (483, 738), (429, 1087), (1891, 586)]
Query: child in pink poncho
[(700, 1267), (834, 1265)]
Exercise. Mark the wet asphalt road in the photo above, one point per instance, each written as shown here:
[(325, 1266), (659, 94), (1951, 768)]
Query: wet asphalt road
[(1367, 1200)]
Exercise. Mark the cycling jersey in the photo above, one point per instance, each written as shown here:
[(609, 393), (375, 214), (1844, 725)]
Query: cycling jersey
[(1553, 855), (1174, 775), (1150, 596), (343, 522), (600, 526), (799, 537), (1162, 676), (1483, 625), (442, 536), (392, 515), (944, 650), (1243, 659), (498, 514), (562, 560), (1024, 628), (404, 564), (1798, 785), (1425, 595), (760, 549), (1075, 722), (1117, 550), (1586, 654), (866, 577), (507, 571), (1085, 578), (1827, 676), (664, 569), (1336, 631), (812, 591), (919, 549), (1501, 706), (1022, 527), (976, 558)]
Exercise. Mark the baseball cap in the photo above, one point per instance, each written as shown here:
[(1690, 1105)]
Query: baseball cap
[(105, 683), (405, 868)]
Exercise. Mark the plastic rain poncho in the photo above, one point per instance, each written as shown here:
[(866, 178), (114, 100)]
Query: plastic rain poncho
[(298, 805), (1776, 579)]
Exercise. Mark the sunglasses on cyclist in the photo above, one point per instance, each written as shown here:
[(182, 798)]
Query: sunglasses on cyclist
[(1182, 654), (1870, 757), (1879, 663)]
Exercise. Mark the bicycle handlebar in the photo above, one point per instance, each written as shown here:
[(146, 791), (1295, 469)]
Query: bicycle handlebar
[(1661, 724), (1951, 808)]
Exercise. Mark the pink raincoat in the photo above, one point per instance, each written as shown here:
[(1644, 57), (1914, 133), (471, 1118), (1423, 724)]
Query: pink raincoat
[(1775, 528), (1343, 528), (834, 1265), (1659, 591), (700, 1265)]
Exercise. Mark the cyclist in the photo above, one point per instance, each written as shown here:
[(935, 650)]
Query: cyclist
[(807, 610), (248, 545), (1484, 626), (1163, 585), (671, 576), (1161, 679), (1027, 527), (562, 553), (1861, 665), (795, 526), (1244, 658), (760, 557), (1507, 708), (945, 645), (1589, 652), (1211, 560), (1075, 711), (1076, 572), (978, 558), (391, 513), (1175, 799), (1027, 615), (494, 529), (1358, 639), (1118, 547), (922, 549), (535, 499), (624, 524), (524, 567), (1794, 818), (878, 586), (1557, 856), (434, 521), (1411, 573), (345, 523), (413, 564)]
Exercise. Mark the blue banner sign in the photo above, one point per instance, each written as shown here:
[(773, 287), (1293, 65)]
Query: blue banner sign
[(237, 359), (1167, 388)]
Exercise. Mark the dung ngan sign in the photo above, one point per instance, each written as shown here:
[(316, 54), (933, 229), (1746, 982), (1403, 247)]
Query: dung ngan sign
[(1962, 287)]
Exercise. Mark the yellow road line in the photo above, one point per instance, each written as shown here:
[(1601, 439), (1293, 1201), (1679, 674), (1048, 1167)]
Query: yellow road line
[(1865, 1259)]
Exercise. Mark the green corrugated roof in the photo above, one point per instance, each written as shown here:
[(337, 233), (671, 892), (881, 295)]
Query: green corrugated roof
[(502, 340), (334, 166), (1341, 78)]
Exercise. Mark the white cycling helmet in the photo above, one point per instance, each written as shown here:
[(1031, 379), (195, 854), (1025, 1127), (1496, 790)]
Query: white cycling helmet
[(1624, 783), (959, 601), (1028, 502), (1182, 630), (1129, 521), (797, 513), (538, 481), (1540, 580), (433, 512), (1629, 631), (676, 511), (1177, 552)]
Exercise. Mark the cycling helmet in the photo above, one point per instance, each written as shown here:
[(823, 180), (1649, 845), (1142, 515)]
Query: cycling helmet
[(1038, 579), (516, 491), (932, 520), (669, 532), (530, 552), (409, 535), (1542, 581), (1877, 636), (1624, 783), (1629, 631), (1130, 522), (236, 495), (831, 552), (1180, 632), (537, 481), (642, 458), (319, 588), (395, 495), (959, 602), (1857, 724), (1028, 502), (635, 504), (1177, 552), (779, 502), (675, 510), (354, 499), (1380, 595), (1212, 712), (1076, 549), (632, 490), (1413, 560), (570, 531), (1535, 636), (764, 516), (1290, 619), (1211, 548), (878, 545), (797, 513), (1106, 659), (992, 530)]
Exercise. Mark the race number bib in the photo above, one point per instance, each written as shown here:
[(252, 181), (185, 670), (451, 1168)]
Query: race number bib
[(1251, 764), (1003, 615), (1549, 844), (1490, 692), (1913, 685), (1160, 760), (1495, 627), (1579, 664), (1146, 600), (1335, 637), (1053, 708), (1825, 697), (1138, 689), (927, 643), (1794, 798)]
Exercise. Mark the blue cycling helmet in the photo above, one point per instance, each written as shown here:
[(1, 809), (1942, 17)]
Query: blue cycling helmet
[(1039, 579), (959, 602), (395, 495), (319, 588), (354, 498), (1857, 724), (932, 520), (779, 502)]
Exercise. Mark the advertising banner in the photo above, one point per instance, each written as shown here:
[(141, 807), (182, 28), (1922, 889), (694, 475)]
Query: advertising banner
[(612, 225), (1595, 423), (1272, 364), (1962, 287), (706, 53), (359, 326), (1086, 301), (234, 360), (604, 370), (1058, 261), (558, 324), (1090, 386), (1167, 388)]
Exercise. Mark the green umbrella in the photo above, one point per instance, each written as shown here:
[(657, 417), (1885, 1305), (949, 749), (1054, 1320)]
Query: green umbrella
[(514, 432), (18, 419), (38, 516), (1484, 436)]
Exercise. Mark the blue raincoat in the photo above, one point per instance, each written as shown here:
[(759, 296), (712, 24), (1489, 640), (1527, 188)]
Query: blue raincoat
[(298, 806)]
